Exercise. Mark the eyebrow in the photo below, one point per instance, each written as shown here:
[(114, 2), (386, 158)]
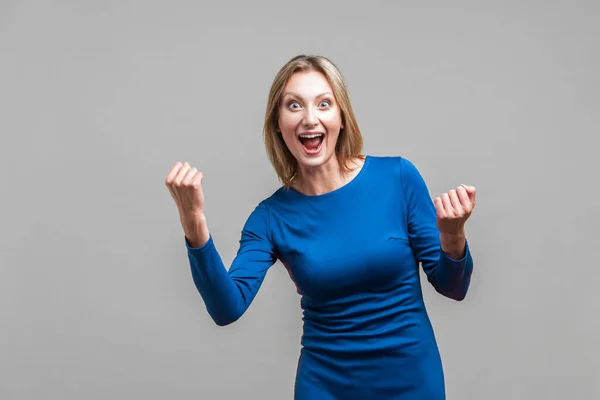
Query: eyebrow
[(298, 96)]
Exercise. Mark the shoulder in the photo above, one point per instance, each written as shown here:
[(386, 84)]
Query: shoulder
[(259, 219), (271, 205), (396, 169), (399, 166)]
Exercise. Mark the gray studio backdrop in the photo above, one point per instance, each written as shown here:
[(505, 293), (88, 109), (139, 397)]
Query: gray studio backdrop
[(99, 99)]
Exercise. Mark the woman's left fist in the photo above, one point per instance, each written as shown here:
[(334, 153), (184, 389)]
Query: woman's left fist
[(453, 208)]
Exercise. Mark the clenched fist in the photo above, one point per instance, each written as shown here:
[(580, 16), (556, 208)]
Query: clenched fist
[(454, 208), (185, 185)]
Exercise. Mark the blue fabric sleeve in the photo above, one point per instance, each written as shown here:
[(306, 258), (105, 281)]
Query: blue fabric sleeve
[(228, 294), (449, 277)]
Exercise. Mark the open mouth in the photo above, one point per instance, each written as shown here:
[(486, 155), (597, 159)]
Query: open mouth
[(311, 142)]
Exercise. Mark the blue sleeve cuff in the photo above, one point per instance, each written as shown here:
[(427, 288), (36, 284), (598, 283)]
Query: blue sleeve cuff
[(209, 243), (460, 261)]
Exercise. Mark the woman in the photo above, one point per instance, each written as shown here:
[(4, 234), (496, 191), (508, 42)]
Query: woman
[(351, 231)]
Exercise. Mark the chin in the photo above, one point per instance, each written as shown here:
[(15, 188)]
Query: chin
[(313, 160)]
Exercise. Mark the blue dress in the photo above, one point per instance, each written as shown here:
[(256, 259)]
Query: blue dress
[(354, 256)]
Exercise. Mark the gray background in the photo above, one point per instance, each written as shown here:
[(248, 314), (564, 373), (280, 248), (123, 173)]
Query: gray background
[(98, 99)]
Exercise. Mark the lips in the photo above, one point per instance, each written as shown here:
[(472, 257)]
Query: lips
[(311, 141)]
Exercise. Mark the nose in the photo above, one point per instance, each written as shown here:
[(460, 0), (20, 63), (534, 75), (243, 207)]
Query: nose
[(310, 118)]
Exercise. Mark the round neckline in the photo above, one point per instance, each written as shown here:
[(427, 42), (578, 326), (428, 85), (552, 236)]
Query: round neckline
[(342, 188)]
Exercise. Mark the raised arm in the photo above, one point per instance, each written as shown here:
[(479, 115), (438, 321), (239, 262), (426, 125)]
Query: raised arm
[(436, 232), (227, 294)]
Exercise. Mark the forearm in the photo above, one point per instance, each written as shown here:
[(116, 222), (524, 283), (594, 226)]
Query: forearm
[(220, 293), (452, 275), (195, 229), (228, 293), (454, 244)]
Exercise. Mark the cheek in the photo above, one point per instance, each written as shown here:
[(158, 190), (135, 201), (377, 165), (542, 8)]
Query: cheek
[(287, 131), (287, 120), (332, 139), (289, 138), (333, 123), (333, 119)]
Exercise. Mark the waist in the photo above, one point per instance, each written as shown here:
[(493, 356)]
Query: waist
[(366, 327)]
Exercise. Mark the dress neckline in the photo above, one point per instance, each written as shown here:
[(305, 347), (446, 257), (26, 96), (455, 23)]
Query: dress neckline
[(347, 186)]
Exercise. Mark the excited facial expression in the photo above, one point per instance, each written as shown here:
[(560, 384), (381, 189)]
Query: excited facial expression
[(309, 119)]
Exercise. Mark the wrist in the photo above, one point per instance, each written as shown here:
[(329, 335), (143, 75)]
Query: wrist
[(453, 244), (196, 230), (453, 236)]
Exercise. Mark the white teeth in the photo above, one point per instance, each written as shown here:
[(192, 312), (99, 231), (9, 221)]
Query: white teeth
[(311, 136)]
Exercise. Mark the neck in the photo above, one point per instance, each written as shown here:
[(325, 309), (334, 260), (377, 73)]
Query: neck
[(323, 179)]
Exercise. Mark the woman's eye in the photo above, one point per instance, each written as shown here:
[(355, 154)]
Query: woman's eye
[(293, 104), (324, 103)]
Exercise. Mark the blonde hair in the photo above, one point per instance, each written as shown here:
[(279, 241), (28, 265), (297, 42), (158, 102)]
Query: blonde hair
[(349, 143)]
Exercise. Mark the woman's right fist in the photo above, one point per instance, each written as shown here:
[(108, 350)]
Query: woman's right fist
[(185, 185)]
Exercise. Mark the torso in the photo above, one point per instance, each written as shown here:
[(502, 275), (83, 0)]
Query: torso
[(365, 325)]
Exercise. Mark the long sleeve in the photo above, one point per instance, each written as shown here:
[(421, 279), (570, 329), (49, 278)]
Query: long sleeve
[(449, 277), (227, 294)]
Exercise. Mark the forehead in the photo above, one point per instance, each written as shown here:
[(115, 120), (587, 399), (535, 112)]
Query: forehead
[(307, 83)]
